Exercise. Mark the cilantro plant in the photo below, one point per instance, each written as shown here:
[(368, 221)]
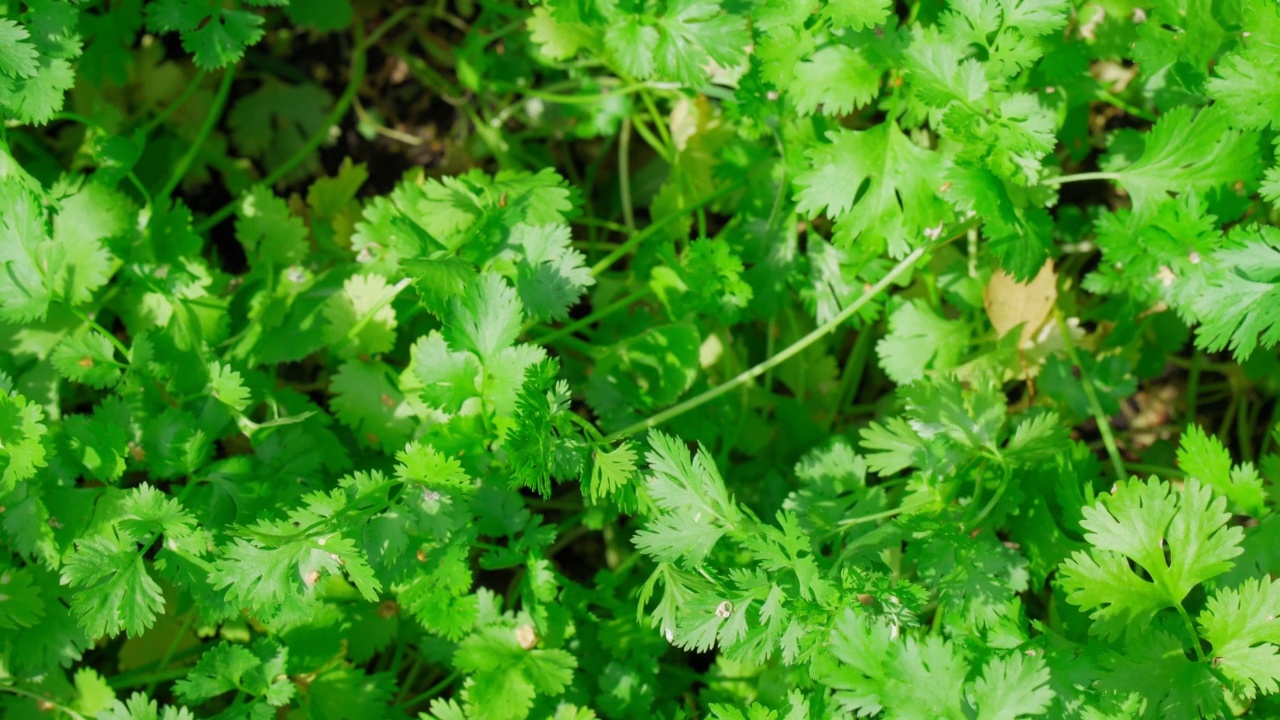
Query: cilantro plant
[(731, 359)]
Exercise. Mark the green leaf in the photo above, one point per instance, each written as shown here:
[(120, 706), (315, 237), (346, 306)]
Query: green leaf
[(1013, 686), (1144, 523), (18, 58), (275, 121), (20, 603), (268, 231), (140, 707), (88, 357), (1240, 625), (1203, 457), (227, 387), (1187, 151), (445, 379), (857, 14), (99, 444), (838, 79), (215, 36), (112, 590), (901, 178), (259, 672), (361, 320), (1244, 86), (21, 430), (551, 276), (680, 42), (1235, 298), (696, 508), (611, 470), (486, 319), (920, 339), (366, 401)]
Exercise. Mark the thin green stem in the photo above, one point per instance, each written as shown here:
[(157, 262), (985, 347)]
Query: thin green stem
[(1080, 177), (1095, 405), (415, 668), (1161, 470), (197, 143), (873, 517), (1228, 418), (1191, 630), (431, 692), (654, 228), (976, 522), (1193, 386), (372, 311), (624, 174), (903, 266), (851, 377), (593, 318), (1124, 105), (358, 63), (658, 124), (579, 99), (1244, 430), (172, 107), (115, 342), (173, 647), (42, 699), (667, 154), (1269, 432)]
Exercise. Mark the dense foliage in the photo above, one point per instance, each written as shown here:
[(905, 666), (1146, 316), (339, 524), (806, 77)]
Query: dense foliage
[(736, 359)]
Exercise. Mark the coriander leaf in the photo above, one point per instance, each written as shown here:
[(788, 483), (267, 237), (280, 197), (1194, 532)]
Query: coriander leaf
[(274, 122), (1143, 523), (50, 31), (901, 178), (1244, 85), (551, 275), (18, 58), (633, 46), (920, 338), (268, 231), (1204, 458), (87, 356), (508, 677), (98, 443), (611, 470), (25, 256), (445, 379), (713, 274), (1187, 151), (696, 508), (227, 387), (214, 35), (1013, 686), (20, 603), (1236, 296), (259, 672), (857, 14), (145, 511), (679, 42), (544, 442), (112, 589), (361, 319), (1240, 625), (21, 430), (837, 78), (140, 707), (486, 319), (365, 400)]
